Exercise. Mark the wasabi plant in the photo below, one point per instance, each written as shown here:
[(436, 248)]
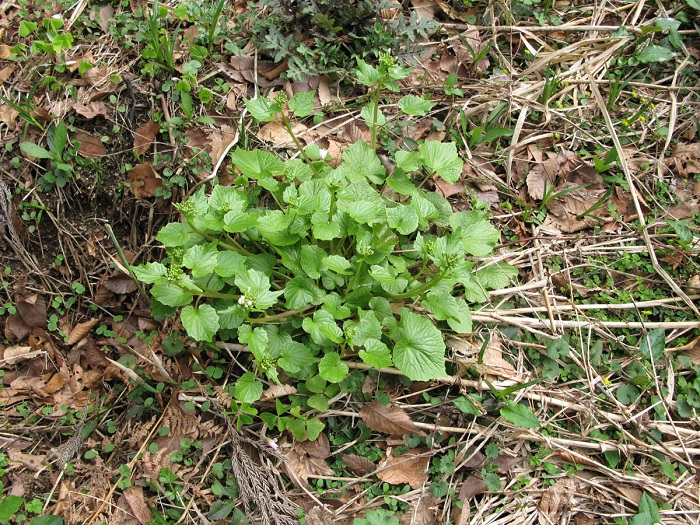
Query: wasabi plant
[(312, 266)]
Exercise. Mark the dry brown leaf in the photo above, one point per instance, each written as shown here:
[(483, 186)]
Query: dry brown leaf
[(493, 364), (320, 516), (276, 133), (137, 503), (409, 468), (18, 353), (33, 311), (8, 115), (103, 16), (320, 448), (388, 419), (30, 461), (120, 283), (80, 331), (422, 513), (555, 500), (360, 465), (686, 159), (6, 73), (5, 51), (143, 180), (220, 141), (15, 328), (91, 109), (276, 391), (543, 176), (99, 74), (325, 96), (90, 146), (144, 136), (302, 466)]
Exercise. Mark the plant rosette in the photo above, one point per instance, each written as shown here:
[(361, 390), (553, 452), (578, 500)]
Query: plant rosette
[(311, 266)]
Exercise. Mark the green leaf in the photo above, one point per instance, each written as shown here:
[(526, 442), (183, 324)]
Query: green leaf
[(360, 162), (255, 286), (419, 350), (653, 344), (302, 103), (466, 406), (415, 105), (149, 273), (263, 109), (319, 402), (376, 354), (447, 308), (230, 264), (248, 389), (256, 163), (377, 517), (695, 4), (35, 151), (655, 54), (496, 276), (403, 219), (256, 339), (170, 294), (295, 356), (479, 239), (627, 394), (648, 512), (366, 74), (331, 368), (333, 304), (322, 328), (400, 183), (302, 291), (174, 234), (386, 276), (46, 520), (314, 427), (310, 258), (367, 114), (519, 415), (9, 506), (361, 202), (201, 259), (324, 229), (408, 160), (367, 327), (492, 481), (442, 158), (337, 264), (201, 322)]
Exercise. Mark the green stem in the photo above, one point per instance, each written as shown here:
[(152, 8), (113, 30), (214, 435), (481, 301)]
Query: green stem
[(421, 289), (298, 145), (233, 247), (277, 317), (355, 278), (375, 101)]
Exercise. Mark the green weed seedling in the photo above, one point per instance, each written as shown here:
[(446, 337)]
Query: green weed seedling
[(60, 154), (310, 266)]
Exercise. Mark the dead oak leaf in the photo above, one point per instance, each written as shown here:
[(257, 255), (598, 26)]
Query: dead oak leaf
[(409, 468), (358, 464), (90, 146), (91, 109), (144, 136), (143, 180), (388, 419)]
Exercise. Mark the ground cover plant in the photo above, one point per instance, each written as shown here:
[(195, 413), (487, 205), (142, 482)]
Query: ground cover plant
[(357, 262)]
